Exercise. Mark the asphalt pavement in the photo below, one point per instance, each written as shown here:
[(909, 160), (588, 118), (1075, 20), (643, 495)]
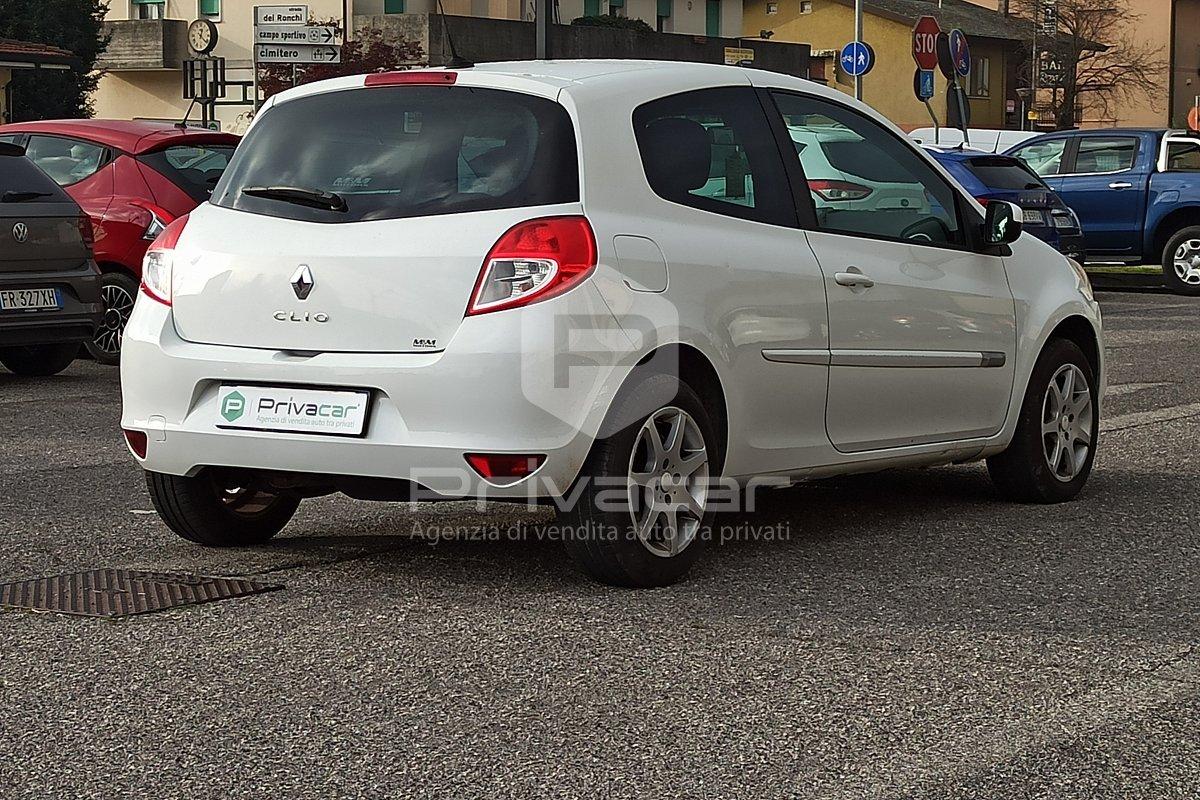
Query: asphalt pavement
[(899, 635)]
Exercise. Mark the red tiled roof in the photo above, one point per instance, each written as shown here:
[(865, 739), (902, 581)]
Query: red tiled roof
[(16, 50)]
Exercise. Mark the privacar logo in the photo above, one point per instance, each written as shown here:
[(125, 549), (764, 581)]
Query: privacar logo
[(233, 406)]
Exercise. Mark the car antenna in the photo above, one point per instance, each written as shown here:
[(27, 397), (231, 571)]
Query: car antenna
[(456, 61), (183, 123)]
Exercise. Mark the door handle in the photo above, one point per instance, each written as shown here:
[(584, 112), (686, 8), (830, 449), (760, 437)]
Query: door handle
[(853, 279), (1120, 185)]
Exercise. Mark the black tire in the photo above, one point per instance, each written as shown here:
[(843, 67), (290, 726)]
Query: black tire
[(119, 291), (39, 360), (202, 510), (1023, 472), (1171, 277), (603, 542)]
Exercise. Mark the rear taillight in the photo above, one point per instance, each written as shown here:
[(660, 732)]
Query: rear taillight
[(410, 77), (86, 231), (534, 261), (983, 201), (839, 190), (503, 468), (158, 264), (160, 218)]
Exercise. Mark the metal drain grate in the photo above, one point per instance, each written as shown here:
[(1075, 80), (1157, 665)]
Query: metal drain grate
[(121, 592)]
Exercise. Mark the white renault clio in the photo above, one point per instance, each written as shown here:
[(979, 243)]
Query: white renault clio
[(616, 286)]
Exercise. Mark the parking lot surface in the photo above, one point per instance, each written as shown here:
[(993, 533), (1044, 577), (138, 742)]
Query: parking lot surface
[(899, 635)]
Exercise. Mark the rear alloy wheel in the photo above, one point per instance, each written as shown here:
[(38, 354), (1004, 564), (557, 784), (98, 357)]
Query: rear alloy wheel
[(640, 516), (212, 511), (1181, 262), (1052, 451), (118, 291), (39, 360)]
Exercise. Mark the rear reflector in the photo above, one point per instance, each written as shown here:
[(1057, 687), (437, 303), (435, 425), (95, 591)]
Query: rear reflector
[(137, 442), (427, 78), (504, 467)]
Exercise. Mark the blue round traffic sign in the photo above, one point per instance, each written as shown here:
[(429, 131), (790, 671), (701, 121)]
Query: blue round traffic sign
[(857, 58), (960, 52)]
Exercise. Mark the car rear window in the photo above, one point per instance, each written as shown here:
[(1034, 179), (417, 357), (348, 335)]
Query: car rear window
[(1001, 172), (194, 168), (22, 181), (406, 151)]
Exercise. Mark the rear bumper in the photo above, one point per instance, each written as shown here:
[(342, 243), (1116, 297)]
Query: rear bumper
[(76, 321), (487, 392)]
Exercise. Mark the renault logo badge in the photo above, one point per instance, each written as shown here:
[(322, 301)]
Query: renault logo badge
[(302, 282), (20, 231)]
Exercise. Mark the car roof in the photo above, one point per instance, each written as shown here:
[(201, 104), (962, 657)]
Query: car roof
[(132, 136), (549, 77), (965, 154)]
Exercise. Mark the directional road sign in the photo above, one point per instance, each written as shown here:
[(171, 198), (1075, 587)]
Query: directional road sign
[(281, 15), (857, 58), (295, 34), (297, 54)]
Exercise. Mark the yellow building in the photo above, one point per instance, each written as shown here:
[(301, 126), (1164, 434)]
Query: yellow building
[(827, 25)]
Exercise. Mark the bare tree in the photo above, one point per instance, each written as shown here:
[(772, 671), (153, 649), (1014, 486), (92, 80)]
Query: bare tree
[(1089, 56)]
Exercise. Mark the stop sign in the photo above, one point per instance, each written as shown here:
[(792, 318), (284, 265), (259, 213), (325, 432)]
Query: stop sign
[(924, 45)]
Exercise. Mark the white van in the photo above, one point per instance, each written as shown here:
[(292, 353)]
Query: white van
[(989, 141)]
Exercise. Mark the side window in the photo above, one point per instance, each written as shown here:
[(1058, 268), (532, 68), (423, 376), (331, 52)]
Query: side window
[(864, 180), (1105, 155), (67, 161), (1044, 158), (1183, 155), (713, 150)]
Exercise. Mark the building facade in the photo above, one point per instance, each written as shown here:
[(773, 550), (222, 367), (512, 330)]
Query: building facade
[(18, 55), (1173, 27), (887, 26), (144, 62)]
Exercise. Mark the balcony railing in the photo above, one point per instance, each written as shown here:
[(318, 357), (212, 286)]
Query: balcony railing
[(144, 44)]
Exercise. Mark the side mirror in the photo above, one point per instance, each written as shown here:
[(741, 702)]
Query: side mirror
[(1003, 223), (14, 150)]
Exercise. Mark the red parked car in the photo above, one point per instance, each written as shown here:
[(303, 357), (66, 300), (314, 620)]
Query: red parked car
[(131, 179)]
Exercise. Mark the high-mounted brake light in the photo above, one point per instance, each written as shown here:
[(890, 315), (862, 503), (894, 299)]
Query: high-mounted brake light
[(534, 261), (409, 77), (157, 267), (839, 190)]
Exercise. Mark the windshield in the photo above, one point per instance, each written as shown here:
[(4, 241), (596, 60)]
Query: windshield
[(404, 151)]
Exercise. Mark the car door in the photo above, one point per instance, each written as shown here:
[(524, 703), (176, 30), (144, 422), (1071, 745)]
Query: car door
[(921, 323), (80, 167), (1107, 190)]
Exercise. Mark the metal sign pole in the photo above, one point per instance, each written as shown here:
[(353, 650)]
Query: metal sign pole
[(255, 80), (858, 37)]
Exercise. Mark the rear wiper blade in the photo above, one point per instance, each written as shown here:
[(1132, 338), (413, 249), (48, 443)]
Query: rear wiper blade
[(21, 197), (313, 198)]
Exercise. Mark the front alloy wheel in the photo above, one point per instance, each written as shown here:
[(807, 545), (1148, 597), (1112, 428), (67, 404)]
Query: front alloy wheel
[(1052, 450), (1067, 423)]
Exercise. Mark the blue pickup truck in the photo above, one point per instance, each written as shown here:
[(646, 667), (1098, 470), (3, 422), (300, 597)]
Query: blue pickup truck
[(1136, 192)]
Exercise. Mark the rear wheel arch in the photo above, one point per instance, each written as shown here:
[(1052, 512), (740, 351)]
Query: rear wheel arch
[(697, 371), (1170, 225)]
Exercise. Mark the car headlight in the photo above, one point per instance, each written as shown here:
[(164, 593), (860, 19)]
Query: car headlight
[(1085, 283)]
